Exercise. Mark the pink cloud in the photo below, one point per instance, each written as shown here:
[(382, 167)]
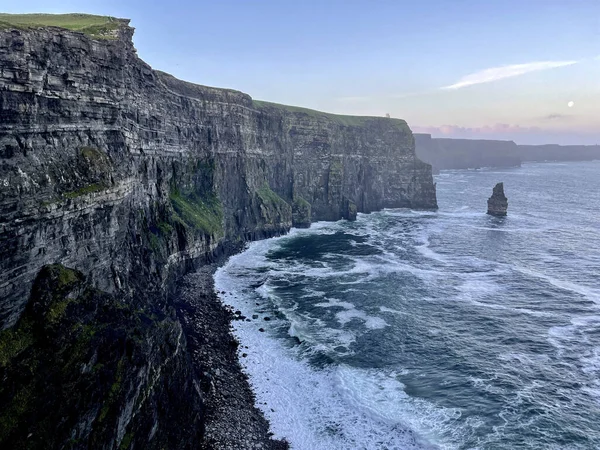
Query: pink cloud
[(517, 133), (455, 130)]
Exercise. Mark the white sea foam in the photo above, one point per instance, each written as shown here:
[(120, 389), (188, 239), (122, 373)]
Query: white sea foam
[(346, 407), (311, 407), (478, 286), (333, 409), (587, 292), (333, 303), (392, 311), (427, 252), (371, 322), (487, 385), (320, 337)]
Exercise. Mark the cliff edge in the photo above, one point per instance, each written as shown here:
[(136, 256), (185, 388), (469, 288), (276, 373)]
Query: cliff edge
[(133, 178)]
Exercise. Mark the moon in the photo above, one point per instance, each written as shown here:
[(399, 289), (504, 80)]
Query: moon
[(571, 104)]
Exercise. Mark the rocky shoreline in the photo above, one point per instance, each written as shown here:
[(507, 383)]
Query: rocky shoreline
[(231, 419)]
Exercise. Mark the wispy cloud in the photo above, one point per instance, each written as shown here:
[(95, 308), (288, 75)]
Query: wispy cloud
[(500, 73)]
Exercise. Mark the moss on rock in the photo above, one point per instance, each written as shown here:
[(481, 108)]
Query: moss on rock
[(301, 213), (274, 210), (74, 360), (199, 213), (85, 190)]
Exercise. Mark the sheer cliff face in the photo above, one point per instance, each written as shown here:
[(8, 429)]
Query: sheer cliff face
[(133, 177), (125, 173), (443, 153)]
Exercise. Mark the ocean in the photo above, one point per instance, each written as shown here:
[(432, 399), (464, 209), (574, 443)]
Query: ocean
[(432, 330)]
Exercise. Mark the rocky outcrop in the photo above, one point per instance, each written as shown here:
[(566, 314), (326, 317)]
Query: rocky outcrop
[(133, 178), (498, 203)]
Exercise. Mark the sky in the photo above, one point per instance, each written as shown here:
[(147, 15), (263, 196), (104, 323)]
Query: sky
[(522, 70)]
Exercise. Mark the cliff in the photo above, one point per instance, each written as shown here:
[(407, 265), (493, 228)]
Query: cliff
[(466, 153), (554, 152), (133, 178), (444, 153)]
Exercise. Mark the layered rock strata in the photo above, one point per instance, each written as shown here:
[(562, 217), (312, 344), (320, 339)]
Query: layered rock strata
[(134, 178)]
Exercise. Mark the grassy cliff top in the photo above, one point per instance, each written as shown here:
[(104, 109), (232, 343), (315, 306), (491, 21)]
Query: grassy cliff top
[(351, 121), (104, 27)]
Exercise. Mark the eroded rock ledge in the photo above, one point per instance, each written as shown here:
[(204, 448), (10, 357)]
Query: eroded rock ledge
[(134, 178)]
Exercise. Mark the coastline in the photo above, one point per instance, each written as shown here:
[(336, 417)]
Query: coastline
[(231, 419), (145, 179)]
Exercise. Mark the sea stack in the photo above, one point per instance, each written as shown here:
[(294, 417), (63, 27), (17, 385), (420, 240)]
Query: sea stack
[(498, 203)]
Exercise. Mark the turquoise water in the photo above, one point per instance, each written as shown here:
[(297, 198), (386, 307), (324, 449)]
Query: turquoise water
[(448, 329)]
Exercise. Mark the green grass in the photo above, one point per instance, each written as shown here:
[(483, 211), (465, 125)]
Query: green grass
[(268, 196), (154, 242), (204, 214), (14, 341), (66, 277), (10, 417), (165, 228), (114, 392), (126, 442), (90, 188), (350, 121), (300, 203), (99, 27), (57, 310)]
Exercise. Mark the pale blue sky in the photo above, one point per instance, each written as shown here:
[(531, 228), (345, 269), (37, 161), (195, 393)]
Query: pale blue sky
[(424, 61)]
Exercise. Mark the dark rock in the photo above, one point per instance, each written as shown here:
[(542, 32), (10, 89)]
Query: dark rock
[(255, 316), (301, 213), (230, 418), (262, 330), (498, 203), (136, 178), (267, 318), (82, 367)]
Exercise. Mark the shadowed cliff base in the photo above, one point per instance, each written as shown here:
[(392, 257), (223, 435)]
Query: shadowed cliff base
[(136, 178), (81, 369)]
